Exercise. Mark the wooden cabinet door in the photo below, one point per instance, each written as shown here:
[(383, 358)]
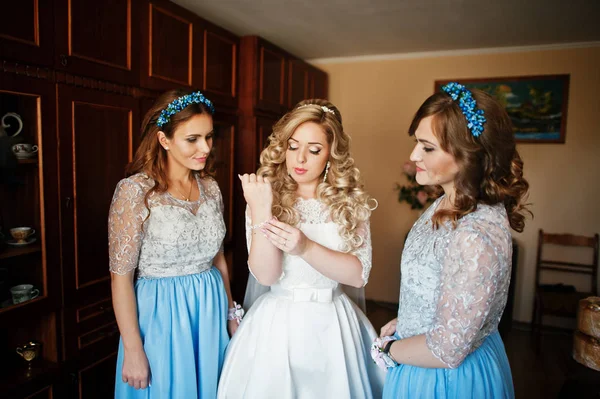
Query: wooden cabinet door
[(28, 189), (26, 31), (96, 132), (97, 380), (219, 81), (297, 82), (264, 128), (223, 146), (318, 83), (98, 39), (172, 48), (271, 79)]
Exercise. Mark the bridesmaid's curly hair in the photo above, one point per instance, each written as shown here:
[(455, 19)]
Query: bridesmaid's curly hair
[(342, 192), (490, 168)]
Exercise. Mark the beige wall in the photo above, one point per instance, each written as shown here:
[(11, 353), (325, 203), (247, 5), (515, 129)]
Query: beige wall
[(378, 99)]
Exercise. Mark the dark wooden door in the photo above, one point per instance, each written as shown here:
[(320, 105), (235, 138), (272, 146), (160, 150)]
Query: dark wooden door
[(173, 48), (271, 79), (96, 132), (223, 146), (98, 39), (26, 31), (297, 82), (319, 83), (219, 81)]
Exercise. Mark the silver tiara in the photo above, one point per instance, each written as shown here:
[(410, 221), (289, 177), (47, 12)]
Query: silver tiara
[(324, 108)]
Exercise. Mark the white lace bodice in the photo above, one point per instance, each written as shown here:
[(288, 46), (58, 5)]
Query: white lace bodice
[(316, 224), (455, 282), (178, 238)]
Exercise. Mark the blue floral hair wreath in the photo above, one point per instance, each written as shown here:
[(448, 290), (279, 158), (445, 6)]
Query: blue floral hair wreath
[(468, 106), (179, 105)]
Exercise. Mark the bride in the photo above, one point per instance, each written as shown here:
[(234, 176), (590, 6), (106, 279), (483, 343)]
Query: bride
[(307, 227)]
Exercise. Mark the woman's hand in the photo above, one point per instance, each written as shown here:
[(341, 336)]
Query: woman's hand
[(232, 326), (136, 371), (257, 192), (389, 328), (285, 237)]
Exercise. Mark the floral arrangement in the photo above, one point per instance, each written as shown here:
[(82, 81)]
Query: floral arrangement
[(417, 196)]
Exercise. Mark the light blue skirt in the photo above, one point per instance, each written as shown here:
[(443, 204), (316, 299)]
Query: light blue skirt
[(183, 324), (484, 374)]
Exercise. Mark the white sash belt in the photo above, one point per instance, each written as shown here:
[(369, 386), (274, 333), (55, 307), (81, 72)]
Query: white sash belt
[(322, 295)]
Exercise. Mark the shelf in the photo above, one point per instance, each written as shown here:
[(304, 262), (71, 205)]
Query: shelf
[(27, 161), (16, 377), (9, 252)]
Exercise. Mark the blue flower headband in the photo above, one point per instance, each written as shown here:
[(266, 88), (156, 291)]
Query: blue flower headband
[(468, 106), (179, 105)]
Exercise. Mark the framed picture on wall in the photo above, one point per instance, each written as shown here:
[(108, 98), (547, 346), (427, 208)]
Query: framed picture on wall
[(537, 105)]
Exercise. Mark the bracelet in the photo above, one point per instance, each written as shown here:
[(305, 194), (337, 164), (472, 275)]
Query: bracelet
[(258, 226), (380, 352), (387, 348), (235, 313)]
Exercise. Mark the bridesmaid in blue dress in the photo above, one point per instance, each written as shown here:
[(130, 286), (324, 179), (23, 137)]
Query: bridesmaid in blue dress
[(170, 285), (457, 257)]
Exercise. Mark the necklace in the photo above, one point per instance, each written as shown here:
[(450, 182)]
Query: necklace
[(183, 195)]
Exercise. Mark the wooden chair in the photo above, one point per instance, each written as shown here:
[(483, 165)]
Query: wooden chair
[(561, 300)]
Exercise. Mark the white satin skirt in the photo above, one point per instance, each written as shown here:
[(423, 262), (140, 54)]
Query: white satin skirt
[(302, 343)]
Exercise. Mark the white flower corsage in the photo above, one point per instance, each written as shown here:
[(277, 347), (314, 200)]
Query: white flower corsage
[(236, 312), (379, 355)]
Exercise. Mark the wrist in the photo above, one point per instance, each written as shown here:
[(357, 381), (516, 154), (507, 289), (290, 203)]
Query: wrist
[(308, 246), (135, 346), (235, 313), (260, 216)]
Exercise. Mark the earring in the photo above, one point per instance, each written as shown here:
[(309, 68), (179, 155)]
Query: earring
[(167, 148), (326, 171)]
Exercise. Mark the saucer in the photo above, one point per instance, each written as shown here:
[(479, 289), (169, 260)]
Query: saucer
[(20, 244), (28, 156)]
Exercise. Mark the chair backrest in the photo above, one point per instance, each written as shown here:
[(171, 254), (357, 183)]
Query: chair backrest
[(568, 240)]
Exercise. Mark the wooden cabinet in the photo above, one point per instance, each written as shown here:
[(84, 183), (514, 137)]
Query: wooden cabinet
[(29, 198), (172, 49), (182, 50), (298, 82), (98, 39), (225, 127), (26, 31), (219, 81), (96, 381), (96, 132), (262, 76), (318, 82)]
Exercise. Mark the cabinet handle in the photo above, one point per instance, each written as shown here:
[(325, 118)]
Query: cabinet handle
[(64, 60), (68, 202)]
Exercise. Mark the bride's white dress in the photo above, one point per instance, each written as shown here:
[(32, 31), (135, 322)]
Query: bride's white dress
[(304, 338)]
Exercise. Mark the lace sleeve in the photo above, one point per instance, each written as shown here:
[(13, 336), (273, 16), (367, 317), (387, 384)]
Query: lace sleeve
[(125, 234), (222, 208), (364, 253), (471, 274)]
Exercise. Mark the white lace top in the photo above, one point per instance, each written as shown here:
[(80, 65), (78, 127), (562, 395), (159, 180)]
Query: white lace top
[(316, 224), (455, 281), (178, 238)]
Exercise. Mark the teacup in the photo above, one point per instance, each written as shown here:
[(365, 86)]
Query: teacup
[(23, 150), (23, 292), (21, 233), (30, 351)]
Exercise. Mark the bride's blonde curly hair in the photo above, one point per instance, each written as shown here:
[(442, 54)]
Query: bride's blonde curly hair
[(342, 192)]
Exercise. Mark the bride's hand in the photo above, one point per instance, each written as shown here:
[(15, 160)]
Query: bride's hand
[(389, 328), (257, 192), (285, 237)]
